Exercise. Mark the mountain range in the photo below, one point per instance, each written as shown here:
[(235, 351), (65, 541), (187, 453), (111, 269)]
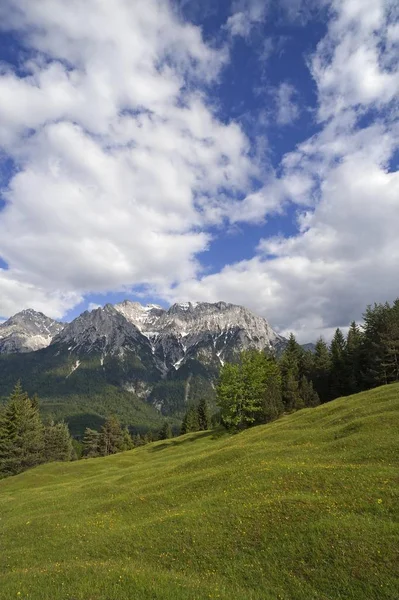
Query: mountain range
[(141, 362)]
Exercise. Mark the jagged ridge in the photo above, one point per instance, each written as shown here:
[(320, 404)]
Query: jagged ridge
[(27, 331)]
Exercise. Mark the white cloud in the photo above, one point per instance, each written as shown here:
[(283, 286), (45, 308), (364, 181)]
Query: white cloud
[(123, 165), (116, 147), (17, 295), (346, 253), (353, 63), (245, 15), (287, 108)]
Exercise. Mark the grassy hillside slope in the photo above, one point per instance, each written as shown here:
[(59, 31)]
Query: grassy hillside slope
[(304, 508)]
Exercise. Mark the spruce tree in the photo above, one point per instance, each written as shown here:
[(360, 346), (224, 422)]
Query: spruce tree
[(192, 419), (376, 325), (111, 437), (183, 427), (22, 434), (353, 358), (339, 367), (57, 442), (390, 339), (290, 363), (127, 441), (91, 443), (309, 396), (204, 417), (321, 371), (165, 432), (272, 404), (291, 397)]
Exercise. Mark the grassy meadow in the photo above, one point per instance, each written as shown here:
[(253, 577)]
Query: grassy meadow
[(305, 508)]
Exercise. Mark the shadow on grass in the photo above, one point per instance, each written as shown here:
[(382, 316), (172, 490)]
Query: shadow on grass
[(213, 434)]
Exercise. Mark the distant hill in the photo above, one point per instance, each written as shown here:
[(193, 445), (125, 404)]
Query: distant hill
[(305, 508)]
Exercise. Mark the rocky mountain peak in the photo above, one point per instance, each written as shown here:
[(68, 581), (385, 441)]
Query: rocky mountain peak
[(26, 331)]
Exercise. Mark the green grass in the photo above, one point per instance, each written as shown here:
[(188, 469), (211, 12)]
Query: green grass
[(304, 508)]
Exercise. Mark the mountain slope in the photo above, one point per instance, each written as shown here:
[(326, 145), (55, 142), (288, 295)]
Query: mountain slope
[(156, 360), (305, 508), (27, 331)]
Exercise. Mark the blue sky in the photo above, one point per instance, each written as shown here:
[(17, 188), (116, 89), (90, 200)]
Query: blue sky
[(239, 150)]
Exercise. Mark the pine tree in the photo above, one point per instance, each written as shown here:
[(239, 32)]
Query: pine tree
[(290, 363), (204, 417), (57, 442), (339, 368), (183, 427), (306, 364), (165, 432), (291, 397), (353, 358), (309, 397), (22, 435), (91, 443), (376, 324), (127, 441), (272, 404), (192, 419), (321, 371), (138, 441), (390, 339), (111, 437)]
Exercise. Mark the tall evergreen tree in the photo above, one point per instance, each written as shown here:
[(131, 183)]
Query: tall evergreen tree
[(290, 364), (127, 440), (91, 443), (291, 396), (339, 368), (376, 325), (192, 419), (111, 437), (309, 396), (165, 432), (204, 417), (272, 404), (353, 358), (22, 434), (57, 442), (390, 340), (321, 370), (306, 362)]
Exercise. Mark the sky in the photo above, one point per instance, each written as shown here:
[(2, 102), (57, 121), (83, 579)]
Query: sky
[(200, 150)]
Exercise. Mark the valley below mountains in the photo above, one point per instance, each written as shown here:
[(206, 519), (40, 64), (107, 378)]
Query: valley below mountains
[(143, 363)]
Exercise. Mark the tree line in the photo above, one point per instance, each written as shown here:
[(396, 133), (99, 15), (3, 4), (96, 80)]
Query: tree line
[(113, 438), (25, 441), (258, 388)]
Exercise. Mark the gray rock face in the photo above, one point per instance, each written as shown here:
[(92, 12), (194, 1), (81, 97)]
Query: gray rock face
[(27, 331), (102, 330), (202, 331)]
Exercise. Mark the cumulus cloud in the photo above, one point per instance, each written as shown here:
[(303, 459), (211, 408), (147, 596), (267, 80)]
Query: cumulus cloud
[(346, 252), (116, 149), (122, 165)]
